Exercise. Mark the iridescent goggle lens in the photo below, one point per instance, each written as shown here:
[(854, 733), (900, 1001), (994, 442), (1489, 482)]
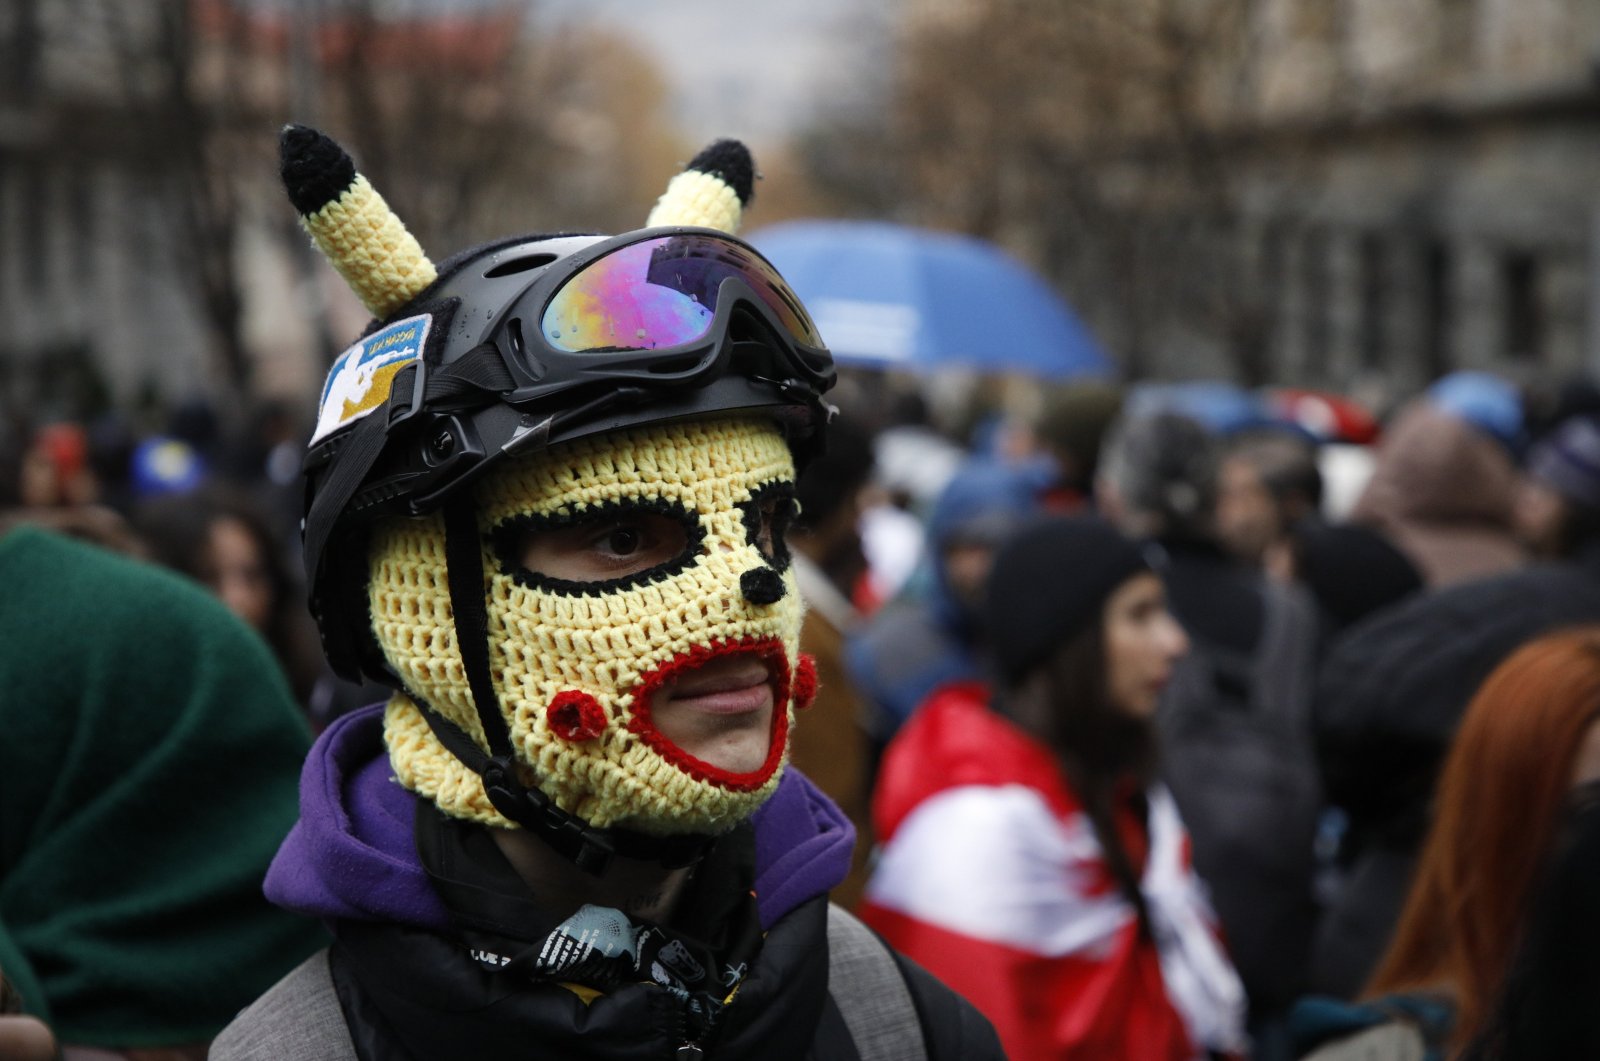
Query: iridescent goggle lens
[(662, 292)]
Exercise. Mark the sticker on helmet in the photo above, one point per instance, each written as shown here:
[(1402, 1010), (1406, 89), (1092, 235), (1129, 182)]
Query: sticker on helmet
[(360, 379)]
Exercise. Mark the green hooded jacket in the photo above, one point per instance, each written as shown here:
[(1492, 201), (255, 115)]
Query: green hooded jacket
[(148, 772)]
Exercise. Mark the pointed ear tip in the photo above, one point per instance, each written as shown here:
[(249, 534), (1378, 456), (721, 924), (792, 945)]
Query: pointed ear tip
[(303, 145), (298, 141), (724, 148), (314, 168), (731, 160)]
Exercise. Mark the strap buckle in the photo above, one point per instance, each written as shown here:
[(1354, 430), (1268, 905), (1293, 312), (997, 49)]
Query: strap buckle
[(399, 413), (589, 848)]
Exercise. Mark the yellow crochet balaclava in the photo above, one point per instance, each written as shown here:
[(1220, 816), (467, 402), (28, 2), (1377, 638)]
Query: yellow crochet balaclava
[(574, 669), (574, 666)]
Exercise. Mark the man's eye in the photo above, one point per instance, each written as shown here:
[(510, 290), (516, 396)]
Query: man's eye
[(623, 540), (607, 547)]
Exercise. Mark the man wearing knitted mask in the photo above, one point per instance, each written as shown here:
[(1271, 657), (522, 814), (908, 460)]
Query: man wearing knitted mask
[(546, 503)]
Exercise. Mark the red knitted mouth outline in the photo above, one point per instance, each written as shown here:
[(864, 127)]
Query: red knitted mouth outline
[(771, 652)]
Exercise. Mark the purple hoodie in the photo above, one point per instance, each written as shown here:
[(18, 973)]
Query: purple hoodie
[(352, 854)]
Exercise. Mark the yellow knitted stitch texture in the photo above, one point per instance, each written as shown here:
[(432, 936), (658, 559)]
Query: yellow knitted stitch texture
[(543, 642), (695, 198), (371, 248)]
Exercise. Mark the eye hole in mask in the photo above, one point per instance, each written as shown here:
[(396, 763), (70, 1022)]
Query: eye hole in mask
[(768, 515), (604, 548)]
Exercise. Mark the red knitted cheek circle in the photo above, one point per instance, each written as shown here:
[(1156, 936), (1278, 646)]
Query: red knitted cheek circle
[(576, 716), (805, 682)]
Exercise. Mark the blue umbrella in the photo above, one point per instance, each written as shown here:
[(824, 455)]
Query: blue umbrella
[(895, 296)]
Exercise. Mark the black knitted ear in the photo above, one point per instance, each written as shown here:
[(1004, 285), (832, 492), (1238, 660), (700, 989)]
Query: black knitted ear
[(383, 263), (730, 160), (315, 169)]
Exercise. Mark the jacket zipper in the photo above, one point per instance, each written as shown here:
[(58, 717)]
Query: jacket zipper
[(689, 1049)]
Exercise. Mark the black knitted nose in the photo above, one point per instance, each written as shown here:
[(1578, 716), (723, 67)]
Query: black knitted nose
[(762, 585)]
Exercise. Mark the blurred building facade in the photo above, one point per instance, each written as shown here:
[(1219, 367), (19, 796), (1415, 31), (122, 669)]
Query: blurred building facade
[(147, 253), (1325, 192), (1439, 202), (84, 252)]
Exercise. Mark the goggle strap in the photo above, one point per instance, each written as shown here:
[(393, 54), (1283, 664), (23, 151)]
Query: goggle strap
[(480, 370), (357, 454)]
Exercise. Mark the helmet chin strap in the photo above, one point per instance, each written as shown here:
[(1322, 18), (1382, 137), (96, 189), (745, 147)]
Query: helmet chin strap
[(590, 848)]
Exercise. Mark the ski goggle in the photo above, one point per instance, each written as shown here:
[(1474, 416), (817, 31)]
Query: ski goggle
[(663, 292)]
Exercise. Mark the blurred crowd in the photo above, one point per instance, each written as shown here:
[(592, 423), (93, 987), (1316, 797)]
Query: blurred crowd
[(1376, 718), (1311, 690), (211, 497)]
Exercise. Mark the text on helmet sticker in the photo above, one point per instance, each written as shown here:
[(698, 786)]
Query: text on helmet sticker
[(360, 379)]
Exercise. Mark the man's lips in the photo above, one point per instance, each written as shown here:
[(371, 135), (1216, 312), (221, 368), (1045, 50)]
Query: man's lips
[(706, 700), (727, 686)]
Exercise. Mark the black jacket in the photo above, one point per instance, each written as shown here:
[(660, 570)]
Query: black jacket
[(408, 992), (391, 992), (1236, 752), (1390, 695)]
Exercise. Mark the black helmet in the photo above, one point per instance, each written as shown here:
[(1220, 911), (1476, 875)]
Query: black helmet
[(517, 345)]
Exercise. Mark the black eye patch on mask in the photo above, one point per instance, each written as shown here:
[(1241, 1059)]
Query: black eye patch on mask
[(768, 515)]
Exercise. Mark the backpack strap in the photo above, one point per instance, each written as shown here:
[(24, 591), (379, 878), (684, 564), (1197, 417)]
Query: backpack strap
[(298, 1018), (867, 987)]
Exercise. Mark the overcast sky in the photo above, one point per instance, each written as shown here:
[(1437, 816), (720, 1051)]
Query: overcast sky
[(754, 69)]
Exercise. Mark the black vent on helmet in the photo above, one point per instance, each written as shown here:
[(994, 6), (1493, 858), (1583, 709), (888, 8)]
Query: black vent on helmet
[(520, 265)]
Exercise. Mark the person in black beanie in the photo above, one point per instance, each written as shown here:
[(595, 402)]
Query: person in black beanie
[(1029, 857)]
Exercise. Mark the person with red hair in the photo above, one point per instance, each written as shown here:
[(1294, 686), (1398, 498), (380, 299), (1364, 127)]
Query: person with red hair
[(1530, 737)]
